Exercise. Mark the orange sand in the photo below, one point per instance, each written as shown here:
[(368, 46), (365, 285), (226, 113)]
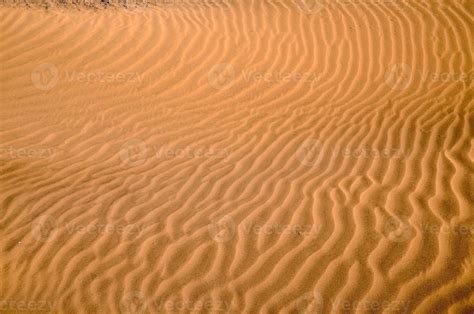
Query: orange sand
[(238, 156)]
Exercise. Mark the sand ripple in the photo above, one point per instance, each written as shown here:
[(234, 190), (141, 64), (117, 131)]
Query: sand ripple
[(238, 156)]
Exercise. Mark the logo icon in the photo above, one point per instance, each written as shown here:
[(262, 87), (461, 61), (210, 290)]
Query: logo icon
[(309, 152), (398, 76), (311, 302), (133, 302), (45, 76), (398, 229), (221, 76), (222, 230), (310, 6), (44, 228), (133, 152)]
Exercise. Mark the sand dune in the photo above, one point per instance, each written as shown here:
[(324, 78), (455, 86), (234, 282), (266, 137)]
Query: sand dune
[(238, 156)]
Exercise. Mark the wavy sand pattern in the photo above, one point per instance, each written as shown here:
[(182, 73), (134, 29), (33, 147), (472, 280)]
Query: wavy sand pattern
[(238, 156)]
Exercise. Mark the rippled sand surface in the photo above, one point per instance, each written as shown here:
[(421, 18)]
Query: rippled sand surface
[(238, 156)]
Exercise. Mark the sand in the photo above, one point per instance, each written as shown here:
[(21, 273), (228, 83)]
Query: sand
[(238, 156)]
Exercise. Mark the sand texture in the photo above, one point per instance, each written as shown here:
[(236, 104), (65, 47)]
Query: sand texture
[(254, 156)]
